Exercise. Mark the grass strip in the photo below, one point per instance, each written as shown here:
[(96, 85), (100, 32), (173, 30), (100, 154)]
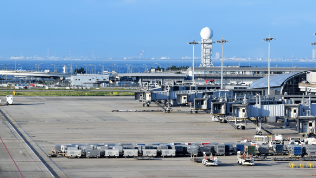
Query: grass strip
[(67, 93)]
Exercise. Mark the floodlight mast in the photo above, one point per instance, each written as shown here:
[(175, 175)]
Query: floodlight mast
[(193, 43), (268, 40), (222, 41), (314, 42)]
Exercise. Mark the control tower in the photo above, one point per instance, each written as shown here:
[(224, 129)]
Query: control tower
[(206, 47)]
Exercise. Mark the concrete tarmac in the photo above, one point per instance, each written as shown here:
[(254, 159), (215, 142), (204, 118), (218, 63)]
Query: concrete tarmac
[(46, 121)]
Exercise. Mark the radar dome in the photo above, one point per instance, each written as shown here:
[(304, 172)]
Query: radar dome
[(206, 33)]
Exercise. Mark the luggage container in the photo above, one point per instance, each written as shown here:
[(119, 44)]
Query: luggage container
[(278, 149), (219, 149), (74, 154), (168, 152), (179, 150), (263, 149), (232, 147), (93, 153), (56, 148), (310, 150), (227, 149), (111, 153), (149, 152), (130, 152), (206, 149), (120, 148), (240, 147), (193, 150), (250, 149), (175, 143), (64, 149), (295, 150)]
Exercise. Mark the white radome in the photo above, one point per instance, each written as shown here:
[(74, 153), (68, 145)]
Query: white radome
[(206, 33)]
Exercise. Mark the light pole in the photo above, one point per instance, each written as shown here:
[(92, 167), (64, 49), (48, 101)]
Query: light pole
[(38, 66), (222, 41), (114, 66), (268, 40), (54, 67), (86, 68), (145, 68), (193, 43)]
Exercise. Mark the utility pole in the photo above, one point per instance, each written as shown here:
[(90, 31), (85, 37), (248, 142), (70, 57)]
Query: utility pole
[(222, 41), (268, 40), (193, 43)]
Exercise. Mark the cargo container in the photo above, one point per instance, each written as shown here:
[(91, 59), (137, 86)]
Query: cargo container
[(240, 147), (310, 150), (73, 153), (263, 149), (206, 149), (227, 150), (56, 148), (111, 153), (179, 150), (168, 152), (120, 148), (219, 149), (295, 150), (149, 152), (93, 153), (250, 149), (130, 152), (193, 150), (278, 149)]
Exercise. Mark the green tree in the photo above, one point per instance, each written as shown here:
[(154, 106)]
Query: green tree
[(80, 71)]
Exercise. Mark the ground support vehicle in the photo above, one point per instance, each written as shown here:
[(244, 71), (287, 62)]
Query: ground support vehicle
[(209, 161), (245, 159)]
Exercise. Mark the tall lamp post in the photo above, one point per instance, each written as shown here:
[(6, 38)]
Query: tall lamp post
[(268, 40), (54, 67), (222, 41), (193, 43)]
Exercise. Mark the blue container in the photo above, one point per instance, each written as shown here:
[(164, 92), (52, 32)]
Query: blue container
[(240, 147), (279, 148), (298, 151)]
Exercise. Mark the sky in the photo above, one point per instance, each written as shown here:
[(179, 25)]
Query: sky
[(162, 28)]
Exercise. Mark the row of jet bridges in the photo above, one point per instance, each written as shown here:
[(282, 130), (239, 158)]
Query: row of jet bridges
[(237, 106)]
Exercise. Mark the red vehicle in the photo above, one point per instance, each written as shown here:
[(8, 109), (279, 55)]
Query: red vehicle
[(209, 81)]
